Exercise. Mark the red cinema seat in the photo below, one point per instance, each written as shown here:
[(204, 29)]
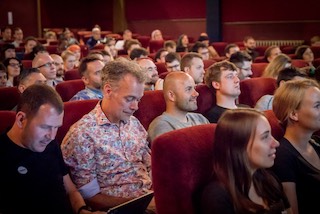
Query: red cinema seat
[(74, 111), (181, 166), (258, 68), (253, 89), (7, 119), (68, 89), (9, 98), (151, 105)]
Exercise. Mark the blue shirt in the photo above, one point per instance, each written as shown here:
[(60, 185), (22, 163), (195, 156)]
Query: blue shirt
[(87, 94)]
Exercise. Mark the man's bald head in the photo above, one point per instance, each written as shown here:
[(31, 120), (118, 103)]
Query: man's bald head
[(179, 92)]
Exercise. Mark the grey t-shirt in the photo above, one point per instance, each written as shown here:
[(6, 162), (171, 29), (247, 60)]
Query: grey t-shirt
[(165, 123)]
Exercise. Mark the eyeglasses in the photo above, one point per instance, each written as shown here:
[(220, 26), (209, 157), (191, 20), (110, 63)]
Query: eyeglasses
[(15, 64), (173, 66), (48, 65)]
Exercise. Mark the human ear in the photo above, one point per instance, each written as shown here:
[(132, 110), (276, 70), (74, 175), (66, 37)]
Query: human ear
[(215, 85)]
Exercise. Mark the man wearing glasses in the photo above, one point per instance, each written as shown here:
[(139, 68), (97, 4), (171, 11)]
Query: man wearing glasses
[(243, 62), (45, 63)]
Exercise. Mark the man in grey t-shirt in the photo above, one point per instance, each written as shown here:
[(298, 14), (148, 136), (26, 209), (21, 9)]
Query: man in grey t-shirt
[(181, 99)]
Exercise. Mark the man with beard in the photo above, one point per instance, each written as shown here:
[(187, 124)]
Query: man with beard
[(90, 71), (181, 99), (250, 45), (223, 78), (153, 82), (243, 62), (58, 62)]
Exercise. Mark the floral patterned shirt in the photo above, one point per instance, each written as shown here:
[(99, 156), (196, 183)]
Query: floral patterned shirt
[(118, 158)]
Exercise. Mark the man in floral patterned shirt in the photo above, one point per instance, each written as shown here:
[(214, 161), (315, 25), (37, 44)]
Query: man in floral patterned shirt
[(107, 150)]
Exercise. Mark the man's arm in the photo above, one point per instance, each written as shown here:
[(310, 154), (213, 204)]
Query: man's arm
[(104, 202), (75, 197)]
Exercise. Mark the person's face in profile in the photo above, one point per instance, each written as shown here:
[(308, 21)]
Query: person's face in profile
[(261, 149)]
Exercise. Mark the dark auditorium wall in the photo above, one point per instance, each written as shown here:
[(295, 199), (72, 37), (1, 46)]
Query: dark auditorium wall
[(271, 19)]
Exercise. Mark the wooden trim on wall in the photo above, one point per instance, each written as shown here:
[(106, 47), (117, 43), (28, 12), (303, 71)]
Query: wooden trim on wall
[(171, 27)]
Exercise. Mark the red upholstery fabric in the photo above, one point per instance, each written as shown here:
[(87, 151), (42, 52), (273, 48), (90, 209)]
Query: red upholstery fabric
[(69, 88), (72, 74), (261, 50), (151, 105), (161, 67), (181, 165), (164, 74), (208, 62), (258, 68), (253, 89), (73, 111), (316, 62), (206, 98), (259, 59), (316, 51), (9, 98), (277, 130), (144, 40), (26, 63), (288, 49), (7, 119), (299, 63), (155, 45), (52, 49), (219, 47)]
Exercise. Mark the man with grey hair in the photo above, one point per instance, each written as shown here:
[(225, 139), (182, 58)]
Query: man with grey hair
[(107, 149)]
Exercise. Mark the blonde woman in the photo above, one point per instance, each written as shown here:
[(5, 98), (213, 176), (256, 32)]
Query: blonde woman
[(69, 60), (276, 65), (297, 105)]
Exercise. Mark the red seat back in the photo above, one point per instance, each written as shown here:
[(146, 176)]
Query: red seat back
[(161, 67), (253, 89), (206, 99), (155, 45), (181, 166), (68, 89), (7, 119), (74, 111), (9, 98), (258, 68), (151, 105), (277, 130), (72, 74)]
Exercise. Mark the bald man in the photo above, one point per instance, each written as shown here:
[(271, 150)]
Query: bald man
[(46, 66), (153, 82), (181, 99)]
